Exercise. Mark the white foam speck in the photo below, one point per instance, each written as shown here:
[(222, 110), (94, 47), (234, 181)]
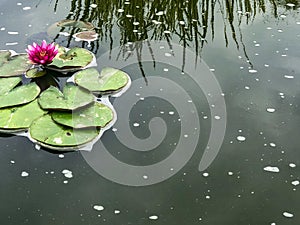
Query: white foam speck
[(230, 173), (11, 43), (171, 113), (252, 71), (93, 5), (12, 161), (288, 76), (13, 32), (295, 182), (272, 144), (120, 10), (292, 165), (217, 117), (136, 124), (67, 173), (241, 138), (168, 54), (26, 8), (205, 174), (24, 174), (153, 217), (37, 147), (290, 4), (271, 110), (288, 215), (61, 156), (66, 34), (273, 169), (98, 207), (117, 211)]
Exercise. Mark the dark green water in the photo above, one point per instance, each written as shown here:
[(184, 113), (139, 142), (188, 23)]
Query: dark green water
[(252, 49)]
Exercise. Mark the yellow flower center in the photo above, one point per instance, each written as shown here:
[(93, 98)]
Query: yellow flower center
[(42, 53)]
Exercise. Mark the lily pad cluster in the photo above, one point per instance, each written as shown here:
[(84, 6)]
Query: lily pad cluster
[(62, 120), (81, 30)]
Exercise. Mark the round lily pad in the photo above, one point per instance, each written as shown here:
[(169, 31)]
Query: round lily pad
[(6, 84), (86, 36), (54, 136), (20, 117), (96, 115), (13, 65), (109, 80), (73, 59), (73, 97), (20, 95)]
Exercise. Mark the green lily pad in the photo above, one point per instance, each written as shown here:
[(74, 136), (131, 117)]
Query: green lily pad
[(109, 80), (35, 72), (54, 136), (4, 56), (75, 58), (73, 97), (96, 115), (6, 84), (13, 65), (20, 95), (20, 117)]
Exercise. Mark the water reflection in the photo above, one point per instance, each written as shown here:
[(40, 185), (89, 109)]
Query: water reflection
[(191, 22)]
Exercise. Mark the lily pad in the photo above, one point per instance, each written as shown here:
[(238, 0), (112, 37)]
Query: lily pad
[(35, 72), (86, 36), (20, 117), (20, 95), (13, 65), (54, 136), (96, 115), (6, 84), (73, 97), (109, 80), (76, 58)]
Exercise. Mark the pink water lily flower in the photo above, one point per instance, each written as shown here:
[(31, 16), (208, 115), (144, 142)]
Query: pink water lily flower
[(41, 54)]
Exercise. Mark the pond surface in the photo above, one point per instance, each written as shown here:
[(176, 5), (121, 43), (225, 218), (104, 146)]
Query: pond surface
[(206, 134)]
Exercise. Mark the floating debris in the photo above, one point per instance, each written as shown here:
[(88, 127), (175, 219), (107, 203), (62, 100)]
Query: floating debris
[(241, 138), (98, 207), (273, 169), (24, 174), (153, 217), (288, 215), (271, 110)]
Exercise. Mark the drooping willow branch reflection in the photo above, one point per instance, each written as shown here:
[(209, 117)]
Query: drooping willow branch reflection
[(191, 23)]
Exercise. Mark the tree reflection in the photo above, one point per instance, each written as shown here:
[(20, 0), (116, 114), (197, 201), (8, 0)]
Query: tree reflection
[(191, 22)]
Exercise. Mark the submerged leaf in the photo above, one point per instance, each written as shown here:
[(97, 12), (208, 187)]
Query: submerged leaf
[(35, 72), (20, 117), (110, 79), (20, 95), (75, 23), (96, 115), (73, 97), (58, 137)]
